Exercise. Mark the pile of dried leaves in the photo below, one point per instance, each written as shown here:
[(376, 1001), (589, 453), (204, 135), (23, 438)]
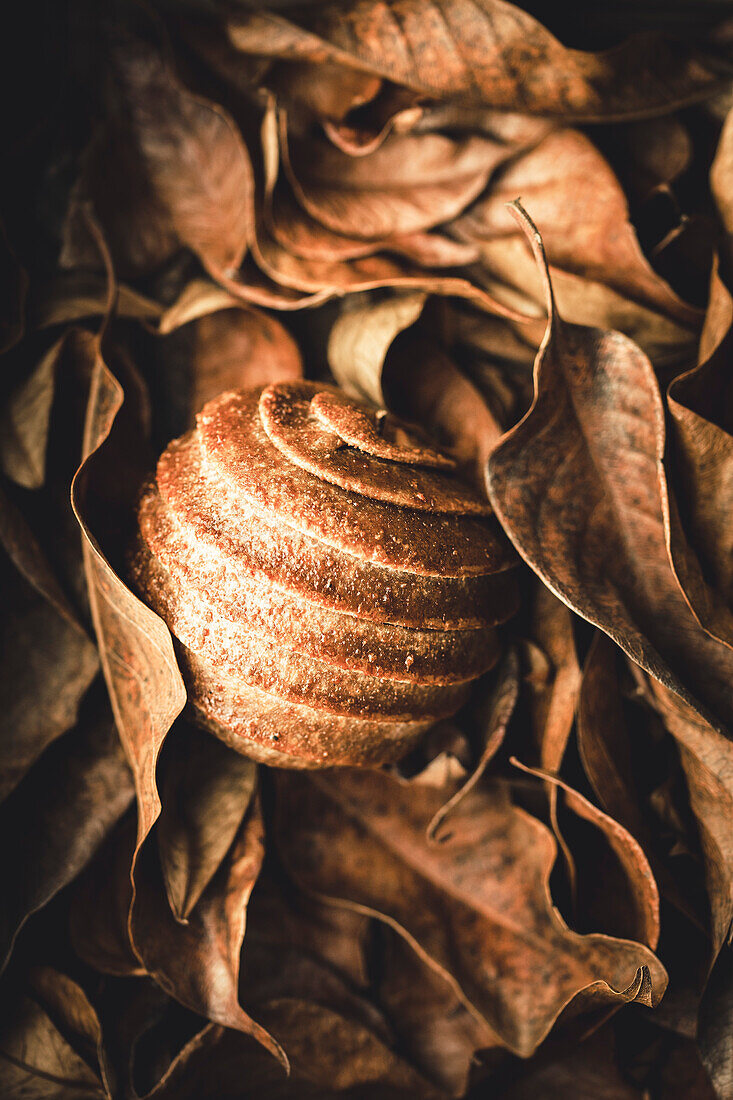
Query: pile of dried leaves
[(537, 903)]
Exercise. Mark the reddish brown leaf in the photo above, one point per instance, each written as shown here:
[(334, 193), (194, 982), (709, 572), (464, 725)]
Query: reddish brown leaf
[(640, 905), (484, 921), (411, 183), (227, 348), (49, 661), (205, 791), (701, 404), (579, 487), (136, 650), (197, 962), (63, 810), (36, 1062), (480, 52), (583, 215)]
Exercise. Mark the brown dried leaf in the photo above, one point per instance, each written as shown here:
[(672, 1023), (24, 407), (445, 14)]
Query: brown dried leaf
[(69, 1008), (187, 177), (707, 759), (582, 212), (49, 661), (232, 348), (621, 781), (378, 352), (701, 405), (332, 1056), (579, 487), (433, 1026), (361, 338), (590, 1070), (25, 419), (554, 695), (100, 906), (77, 295), (197, 962), (479, 53), (411, 183), (476, 908), (721, 174), (36, 1062), (63, 810), (638, 911), (145, 686), (205, 790), (498, 710)]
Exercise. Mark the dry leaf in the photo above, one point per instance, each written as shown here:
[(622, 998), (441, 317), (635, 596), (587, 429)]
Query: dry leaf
[(701, 405), (205, 790), (583, 215), (361, 839), (579, 487), (479, 52), (49, 660)]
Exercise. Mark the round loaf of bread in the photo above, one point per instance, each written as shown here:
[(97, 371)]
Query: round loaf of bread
[(331, 584)]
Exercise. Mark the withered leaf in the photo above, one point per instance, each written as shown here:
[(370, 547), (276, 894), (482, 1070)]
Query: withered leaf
[(496, 713), (411, 183), (362, 336), (78, 295), (36, 1062), (701, 405), (136, 650), (99, 907), (637, 915), (479, 53), (197, 962), (205, 791), (554, 693), (476, 908), (707, 760), (332, 1056), (721, 173), (49, 661), (62, 810), (223, 349), (580, 488), (579, 205), (70, 1010), (191, 157), (589, 1070), (433, 1026), (24, 422), (378, 351)]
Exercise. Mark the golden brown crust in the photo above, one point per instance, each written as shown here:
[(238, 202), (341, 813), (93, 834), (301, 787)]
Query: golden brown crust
[(343, 441), (319, 620), (240, 463), (220, 534), (337, 638)]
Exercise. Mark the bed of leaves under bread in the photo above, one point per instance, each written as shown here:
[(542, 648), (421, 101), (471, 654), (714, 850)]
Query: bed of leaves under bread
[(538, 902)]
